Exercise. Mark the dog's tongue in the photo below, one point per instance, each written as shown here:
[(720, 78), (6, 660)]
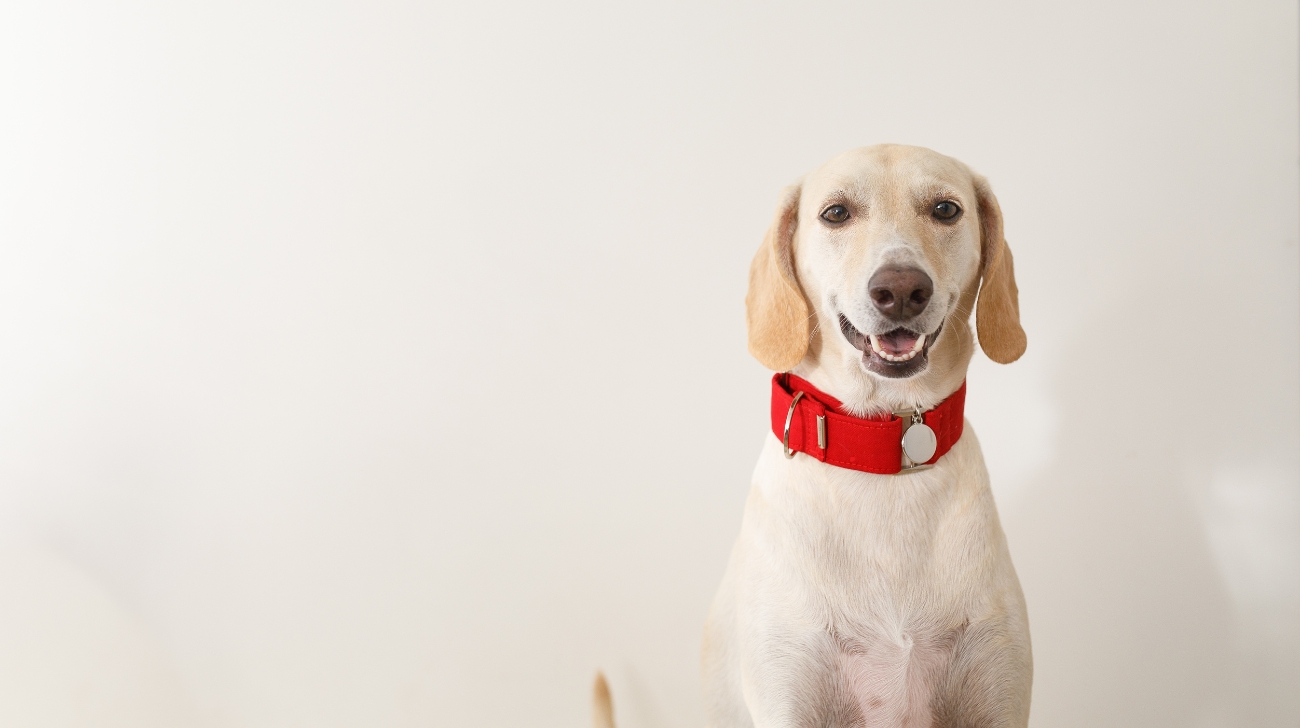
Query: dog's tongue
[(898, 342)]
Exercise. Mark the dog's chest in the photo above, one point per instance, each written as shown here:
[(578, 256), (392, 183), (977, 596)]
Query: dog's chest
[(868, 582), (867, 547), (888, 678)]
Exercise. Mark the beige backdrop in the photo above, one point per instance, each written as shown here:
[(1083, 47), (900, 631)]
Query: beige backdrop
[(383, 364)]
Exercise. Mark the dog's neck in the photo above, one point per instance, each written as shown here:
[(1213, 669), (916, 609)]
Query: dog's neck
[(835, 368)]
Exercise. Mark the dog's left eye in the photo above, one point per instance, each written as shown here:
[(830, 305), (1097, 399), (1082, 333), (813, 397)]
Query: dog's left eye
[(835, 214), (946, 210)]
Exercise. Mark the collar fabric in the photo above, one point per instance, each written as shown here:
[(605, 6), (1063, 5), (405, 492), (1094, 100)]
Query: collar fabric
[(871, 445)]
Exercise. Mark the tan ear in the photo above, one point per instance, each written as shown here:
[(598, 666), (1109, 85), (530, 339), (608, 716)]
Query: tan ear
[(776, 312), (997, 314)]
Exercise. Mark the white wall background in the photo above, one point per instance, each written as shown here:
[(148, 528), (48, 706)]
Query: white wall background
[(342, 345)]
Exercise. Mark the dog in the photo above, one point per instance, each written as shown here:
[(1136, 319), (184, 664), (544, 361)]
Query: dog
[(871, 583)]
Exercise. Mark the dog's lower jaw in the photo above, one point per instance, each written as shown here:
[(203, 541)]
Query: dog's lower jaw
[(874, 361), (875, 364), (841, 371)]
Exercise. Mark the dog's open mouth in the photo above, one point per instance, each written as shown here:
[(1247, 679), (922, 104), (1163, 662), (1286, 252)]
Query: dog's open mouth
[(897, 346), (896, 354)]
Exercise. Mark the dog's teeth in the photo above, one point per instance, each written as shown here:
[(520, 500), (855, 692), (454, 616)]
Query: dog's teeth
[(896, 357), (917, 346)]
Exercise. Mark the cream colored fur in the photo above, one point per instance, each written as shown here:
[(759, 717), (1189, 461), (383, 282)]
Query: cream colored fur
[(855, 599)]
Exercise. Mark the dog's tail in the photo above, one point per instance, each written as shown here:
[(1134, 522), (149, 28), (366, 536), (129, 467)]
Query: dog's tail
[(602, 705)]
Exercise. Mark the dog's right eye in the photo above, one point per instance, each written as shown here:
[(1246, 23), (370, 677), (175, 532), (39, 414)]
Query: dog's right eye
[(835, 214)]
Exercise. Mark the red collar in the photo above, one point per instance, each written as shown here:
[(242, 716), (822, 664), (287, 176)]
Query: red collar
[(818, 428)]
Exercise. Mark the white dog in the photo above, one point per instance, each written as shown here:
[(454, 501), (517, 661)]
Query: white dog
[(871, 583)]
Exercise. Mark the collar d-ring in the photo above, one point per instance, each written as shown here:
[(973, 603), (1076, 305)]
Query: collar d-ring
[(789, 417)]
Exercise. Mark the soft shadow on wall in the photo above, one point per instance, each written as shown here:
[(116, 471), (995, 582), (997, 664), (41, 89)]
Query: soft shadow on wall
[(1158, 549)]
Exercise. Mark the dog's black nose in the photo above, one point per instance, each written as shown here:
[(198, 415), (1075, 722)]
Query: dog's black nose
[(900, 293)]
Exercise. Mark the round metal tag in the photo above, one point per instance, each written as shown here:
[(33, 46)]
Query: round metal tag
[(919, 443)]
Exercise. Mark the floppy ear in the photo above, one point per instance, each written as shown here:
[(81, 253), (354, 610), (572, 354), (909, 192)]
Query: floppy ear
[(776, 312), (997, 314)]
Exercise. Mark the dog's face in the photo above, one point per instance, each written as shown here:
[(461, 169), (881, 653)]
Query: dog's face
[(872, 267)]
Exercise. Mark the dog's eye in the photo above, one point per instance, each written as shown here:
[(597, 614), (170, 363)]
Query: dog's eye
[(946, 210), (835, 214)]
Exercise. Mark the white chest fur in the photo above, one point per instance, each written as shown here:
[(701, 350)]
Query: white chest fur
[(857, 599)]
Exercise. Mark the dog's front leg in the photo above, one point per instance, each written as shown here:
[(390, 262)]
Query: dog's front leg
[(724, 699), (796, 678)]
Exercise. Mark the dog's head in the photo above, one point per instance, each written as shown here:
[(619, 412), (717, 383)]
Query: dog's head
[(869, 273)]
